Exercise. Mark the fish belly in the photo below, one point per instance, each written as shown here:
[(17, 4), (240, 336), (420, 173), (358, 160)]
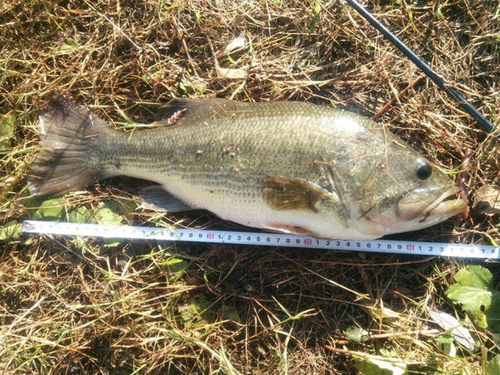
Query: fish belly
[(252, 210)]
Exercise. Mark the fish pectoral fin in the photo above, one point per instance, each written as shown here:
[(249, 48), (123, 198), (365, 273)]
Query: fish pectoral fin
[(284, 193), (156, 198), (195, 111)]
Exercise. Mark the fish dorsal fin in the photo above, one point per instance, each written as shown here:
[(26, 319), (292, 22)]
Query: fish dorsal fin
[(283, 193), (194, 111)]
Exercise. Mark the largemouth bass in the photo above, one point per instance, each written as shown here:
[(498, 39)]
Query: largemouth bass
[(283, 166)]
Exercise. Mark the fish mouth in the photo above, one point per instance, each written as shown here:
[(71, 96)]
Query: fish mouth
[(447, 204), (422, 205)]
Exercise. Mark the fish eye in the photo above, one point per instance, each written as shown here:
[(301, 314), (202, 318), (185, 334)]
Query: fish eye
[(424, 170)]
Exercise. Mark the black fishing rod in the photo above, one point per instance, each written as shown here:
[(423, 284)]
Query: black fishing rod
[(488, 126)]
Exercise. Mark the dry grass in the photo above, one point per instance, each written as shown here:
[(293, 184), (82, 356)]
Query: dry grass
[(74, 306)]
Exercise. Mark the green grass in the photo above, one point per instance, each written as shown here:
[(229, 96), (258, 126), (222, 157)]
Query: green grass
[(90, 306)]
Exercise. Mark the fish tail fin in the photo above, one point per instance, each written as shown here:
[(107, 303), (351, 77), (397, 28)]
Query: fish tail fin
[(65, 162)]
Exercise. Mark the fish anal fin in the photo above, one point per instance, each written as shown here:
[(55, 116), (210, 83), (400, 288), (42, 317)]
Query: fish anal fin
[(194, 111), (156, 198), (283, 193), (288, 228)]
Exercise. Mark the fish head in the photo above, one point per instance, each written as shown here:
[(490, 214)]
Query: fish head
[(395, 189)]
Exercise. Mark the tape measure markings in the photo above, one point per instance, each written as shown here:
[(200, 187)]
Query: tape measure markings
[(261, 239)]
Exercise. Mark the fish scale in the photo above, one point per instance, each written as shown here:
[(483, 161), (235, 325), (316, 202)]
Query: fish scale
[(201, 158), (285, 166)]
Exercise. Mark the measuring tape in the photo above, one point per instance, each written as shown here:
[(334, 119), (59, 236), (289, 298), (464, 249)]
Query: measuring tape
[(261, 239)]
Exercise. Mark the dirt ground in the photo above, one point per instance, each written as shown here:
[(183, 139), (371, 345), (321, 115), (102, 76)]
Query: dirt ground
[(74, 306)]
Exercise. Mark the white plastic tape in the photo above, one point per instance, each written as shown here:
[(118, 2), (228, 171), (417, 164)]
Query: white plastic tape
[(261, 239)]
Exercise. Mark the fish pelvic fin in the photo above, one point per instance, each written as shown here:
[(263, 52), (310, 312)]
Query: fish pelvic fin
[(65, 162)]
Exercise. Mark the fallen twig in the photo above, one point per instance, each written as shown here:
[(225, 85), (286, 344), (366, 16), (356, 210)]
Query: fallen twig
[(384, 109)]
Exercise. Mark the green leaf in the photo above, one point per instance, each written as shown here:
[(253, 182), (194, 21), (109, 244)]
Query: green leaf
[(357, 334), (195, 313), (80, 215), (493, 313), (68, 46), (445, 339), (474, 290), (107, 214), (11, 231), (471, 289), (173, 335), (186, 88), (383, 312), (376, 366), (388, 352), (7, 130), (113, 212), (49, 209), (175, 268), (449, 349), (493, 367), (472, 299), (122, 207), (446, 344), (475, 276), (316, 11), (229, 312)]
